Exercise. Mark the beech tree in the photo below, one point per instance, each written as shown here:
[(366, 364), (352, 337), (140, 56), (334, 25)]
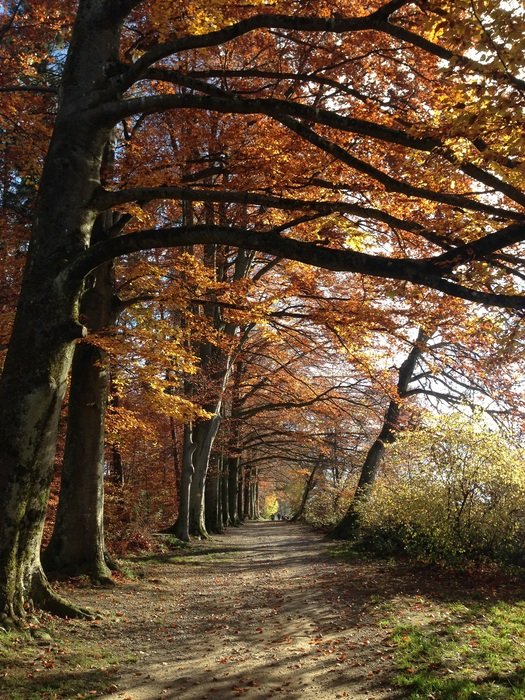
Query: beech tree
[(408, 149)]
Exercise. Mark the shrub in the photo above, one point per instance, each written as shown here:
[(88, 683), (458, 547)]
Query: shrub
[(327, 505), (452, 490)]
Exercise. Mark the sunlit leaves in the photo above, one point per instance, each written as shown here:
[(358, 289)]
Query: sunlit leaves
[(451, 490)]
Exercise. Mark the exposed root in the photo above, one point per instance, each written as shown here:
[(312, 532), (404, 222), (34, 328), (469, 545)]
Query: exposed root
[(8, 623), (45, 598), (102, 580)]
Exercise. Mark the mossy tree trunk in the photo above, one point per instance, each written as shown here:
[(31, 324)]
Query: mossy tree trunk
[(77, 544), (47, 320)]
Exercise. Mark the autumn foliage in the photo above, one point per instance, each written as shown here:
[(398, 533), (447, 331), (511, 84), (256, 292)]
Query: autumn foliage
[(252, 214), (453, 490)]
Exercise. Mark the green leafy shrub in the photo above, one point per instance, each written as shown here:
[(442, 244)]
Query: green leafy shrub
[(327, 505), (453, 490)]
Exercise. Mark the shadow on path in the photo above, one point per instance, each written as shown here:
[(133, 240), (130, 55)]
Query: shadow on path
[(262, 611)]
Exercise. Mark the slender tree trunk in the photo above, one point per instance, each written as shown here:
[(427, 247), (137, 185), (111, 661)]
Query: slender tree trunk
[(308, 487), (256, 508), (117, 465), (349, 525), (117, 471), (203, 435), (246, 492), (181, 527), (212, 497), (224, 494), (175, 451), (233, 488), (240, 494), (252, 496)]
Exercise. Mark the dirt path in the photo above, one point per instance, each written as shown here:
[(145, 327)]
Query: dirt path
[(260, 612)]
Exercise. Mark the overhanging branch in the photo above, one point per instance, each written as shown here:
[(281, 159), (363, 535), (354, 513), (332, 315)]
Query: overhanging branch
[(422, 272)]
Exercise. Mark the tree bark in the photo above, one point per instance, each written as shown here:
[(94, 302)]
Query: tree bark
[(240, 495), (47, 320), (233, 488), (212, 498), (182, 526), (224, 495), (308, 486), (348, 528), (203, 436), (77, 545)]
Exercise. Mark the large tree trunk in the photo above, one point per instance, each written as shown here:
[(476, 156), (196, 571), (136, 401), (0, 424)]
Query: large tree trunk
[(77, 544), (47, 323), (348, 528)]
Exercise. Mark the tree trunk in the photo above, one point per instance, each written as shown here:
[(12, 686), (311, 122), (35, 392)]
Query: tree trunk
[(233, 487), (224, 494), (212, 498), (47, 321), (256, 509), (240, 495), (309, 485), (348, 528), (203, 435), (182, 526), (246, 492), (77, 544)]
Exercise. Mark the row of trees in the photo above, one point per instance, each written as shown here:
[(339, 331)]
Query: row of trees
[(168, 177)]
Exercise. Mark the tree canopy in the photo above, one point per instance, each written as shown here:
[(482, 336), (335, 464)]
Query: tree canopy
[(173, 178)]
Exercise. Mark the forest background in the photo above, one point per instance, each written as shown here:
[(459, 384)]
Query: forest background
[(250, 244)]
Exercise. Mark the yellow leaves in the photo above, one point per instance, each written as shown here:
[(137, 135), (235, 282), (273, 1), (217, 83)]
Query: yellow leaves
[(196, 16), (451, 489), (138, 213), (271, 505), (121, 420), (173, 406)]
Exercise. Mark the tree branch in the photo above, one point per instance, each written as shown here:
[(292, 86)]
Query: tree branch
[(515, 233), (107, 200), (422, 272), (282, 110)]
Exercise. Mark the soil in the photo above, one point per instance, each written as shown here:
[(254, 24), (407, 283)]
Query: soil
[(263, 611)]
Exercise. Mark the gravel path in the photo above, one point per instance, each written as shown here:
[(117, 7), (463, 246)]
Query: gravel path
[(260, 612)]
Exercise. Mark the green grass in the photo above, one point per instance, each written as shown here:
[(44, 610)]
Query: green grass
[(466, 652), (34, 670)]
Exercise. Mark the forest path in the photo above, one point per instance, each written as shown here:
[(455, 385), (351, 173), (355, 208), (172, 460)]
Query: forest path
[(260, 612)]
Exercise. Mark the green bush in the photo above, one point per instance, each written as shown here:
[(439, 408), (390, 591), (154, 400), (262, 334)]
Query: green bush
[(452, 491), (327, 505)]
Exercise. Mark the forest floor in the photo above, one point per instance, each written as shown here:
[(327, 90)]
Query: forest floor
[(268, 611)]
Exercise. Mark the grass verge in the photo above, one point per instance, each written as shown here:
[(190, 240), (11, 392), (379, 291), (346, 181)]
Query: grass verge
[(47, 668), (461, 651)]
